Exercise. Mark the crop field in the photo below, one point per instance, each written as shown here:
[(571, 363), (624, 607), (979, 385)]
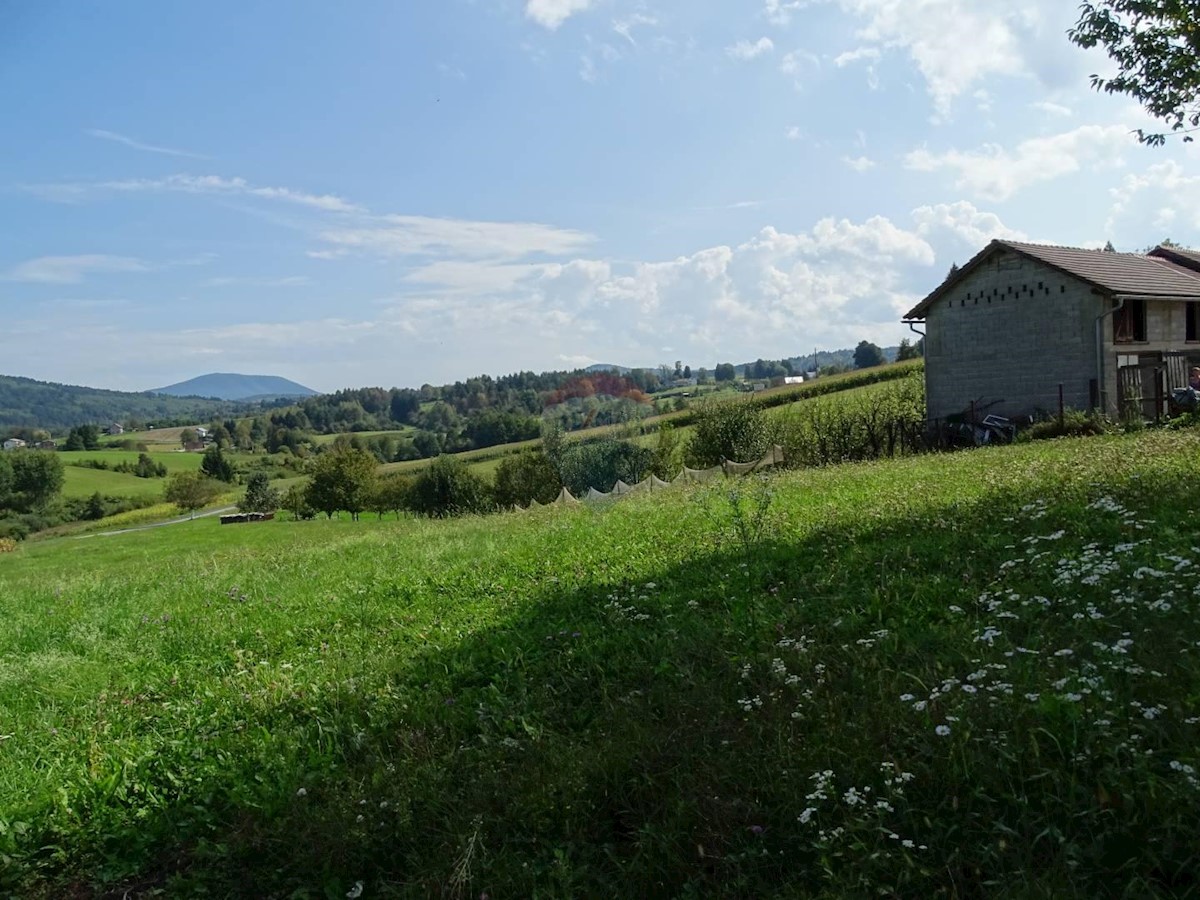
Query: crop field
[(974, 675)]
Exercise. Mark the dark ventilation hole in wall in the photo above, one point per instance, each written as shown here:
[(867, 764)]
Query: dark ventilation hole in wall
[(962, 302), (1062, 288), (1039, 285)]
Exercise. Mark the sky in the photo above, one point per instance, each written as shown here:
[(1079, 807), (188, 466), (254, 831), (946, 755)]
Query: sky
[(397, 193)]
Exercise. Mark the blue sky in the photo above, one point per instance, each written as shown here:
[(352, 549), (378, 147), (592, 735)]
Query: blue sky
[(387, 193)]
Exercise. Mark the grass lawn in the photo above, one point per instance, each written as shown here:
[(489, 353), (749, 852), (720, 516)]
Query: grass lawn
[(175, 462), (963, 675), (81, 482)]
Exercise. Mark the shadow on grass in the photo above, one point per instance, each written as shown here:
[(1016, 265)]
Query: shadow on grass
[(617, 739)]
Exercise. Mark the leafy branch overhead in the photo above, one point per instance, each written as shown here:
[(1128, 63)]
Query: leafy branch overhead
[(1156, 46)]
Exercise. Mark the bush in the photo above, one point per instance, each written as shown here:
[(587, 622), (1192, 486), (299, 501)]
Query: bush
[(886, 421), (1075, 423), (526, 476), (728, 429), (8, 545), (449, 488), (600, 464)]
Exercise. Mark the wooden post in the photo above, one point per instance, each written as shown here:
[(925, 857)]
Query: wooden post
[(1158, 396)]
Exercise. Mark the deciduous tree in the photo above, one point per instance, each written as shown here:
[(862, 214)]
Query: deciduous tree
[(1156, 46), (191, 491)]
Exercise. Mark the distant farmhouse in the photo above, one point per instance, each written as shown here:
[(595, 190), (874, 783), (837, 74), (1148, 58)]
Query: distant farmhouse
[(115, 428), (1118, 331), (14, 444)]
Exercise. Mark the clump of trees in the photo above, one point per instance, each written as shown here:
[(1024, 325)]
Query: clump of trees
[(449, 488), (342, 479), (260, 497), (524, 477)]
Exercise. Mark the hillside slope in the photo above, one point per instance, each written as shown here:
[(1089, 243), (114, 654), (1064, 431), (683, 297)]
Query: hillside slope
[(958, 675), (25, 402)]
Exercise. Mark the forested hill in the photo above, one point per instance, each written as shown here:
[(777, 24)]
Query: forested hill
[(25, 403)]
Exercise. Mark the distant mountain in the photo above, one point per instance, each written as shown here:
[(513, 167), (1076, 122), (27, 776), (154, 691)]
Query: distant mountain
[(608, 367), (228, 386), (25, 403)]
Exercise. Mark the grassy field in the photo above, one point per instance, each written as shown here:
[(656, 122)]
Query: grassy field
[(81, 482), (965, 675)]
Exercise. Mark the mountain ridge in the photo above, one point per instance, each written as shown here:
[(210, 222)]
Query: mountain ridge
[(235, 386)]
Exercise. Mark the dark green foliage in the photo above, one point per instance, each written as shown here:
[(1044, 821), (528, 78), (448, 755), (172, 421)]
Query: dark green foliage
[(24, 401), (342, 479), (215, 465), (1157, 52), (600, 464), (296, 502), (145, 467), (391, 494), (526, 476), (668, 452), (724, 372), (1074, 423), (35, 478), (492, 427), (83, 437), (449, 488), (909, 350), (868, 355), (728, 429), (260, 496)]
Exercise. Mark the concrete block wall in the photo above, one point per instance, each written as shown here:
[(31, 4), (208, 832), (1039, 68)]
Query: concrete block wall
[(1166, 330), (1013, 330)]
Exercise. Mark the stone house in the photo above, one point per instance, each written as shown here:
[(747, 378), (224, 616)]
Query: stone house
[(1117, 331)]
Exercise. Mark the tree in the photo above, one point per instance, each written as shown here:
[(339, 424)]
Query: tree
[(449, 488), (260, 496), (668, 450), (295, 501), (1156, 46), (390, 495), (1109, 248), (687, 371), (526, 476), (725, 372), (37, 476), (83, 437), (907, 350), (867, 355), (342, 478), (188, 436), (191, 491), (215, 465)]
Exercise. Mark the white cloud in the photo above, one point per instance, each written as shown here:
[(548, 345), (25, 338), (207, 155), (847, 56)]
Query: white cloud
[(219, 185), (552, 13), (779, 12), (744, 50), (139, 145), (1166, 196), (794, 133), (72, 269), (859, 163), (969, 225), (258, 281), (870, 54), (957, 43), (996, 173), (625, 27), (426, 236), (1053, 109)]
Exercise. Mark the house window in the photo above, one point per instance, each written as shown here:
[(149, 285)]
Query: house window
[(1129, 322), (1192, 329)]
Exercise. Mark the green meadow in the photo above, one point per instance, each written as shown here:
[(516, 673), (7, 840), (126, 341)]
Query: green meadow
[(956, 675)]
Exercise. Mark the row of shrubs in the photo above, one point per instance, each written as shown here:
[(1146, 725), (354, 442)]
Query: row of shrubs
[(18, 526), (145, 467)]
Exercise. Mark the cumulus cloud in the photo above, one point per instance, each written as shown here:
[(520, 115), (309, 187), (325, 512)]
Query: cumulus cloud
[(859, 163), (745, 50), (955, 44), (551, 14), (1165, 195), (994, 172), (964, 221)]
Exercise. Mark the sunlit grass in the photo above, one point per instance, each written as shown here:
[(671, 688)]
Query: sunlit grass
[(852, 685)]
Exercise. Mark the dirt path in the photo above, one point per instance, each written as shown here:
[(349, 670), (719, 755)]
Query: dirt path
[(211, 512)]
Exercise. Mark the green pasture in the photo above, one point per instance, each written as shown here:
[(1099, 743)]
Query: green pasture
[(81, 482), (175, 462), (953, 675)]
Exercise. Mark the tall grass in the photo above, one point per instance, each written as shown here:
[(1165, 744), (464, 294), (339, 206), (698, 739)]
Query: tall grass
[(955, 675)]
